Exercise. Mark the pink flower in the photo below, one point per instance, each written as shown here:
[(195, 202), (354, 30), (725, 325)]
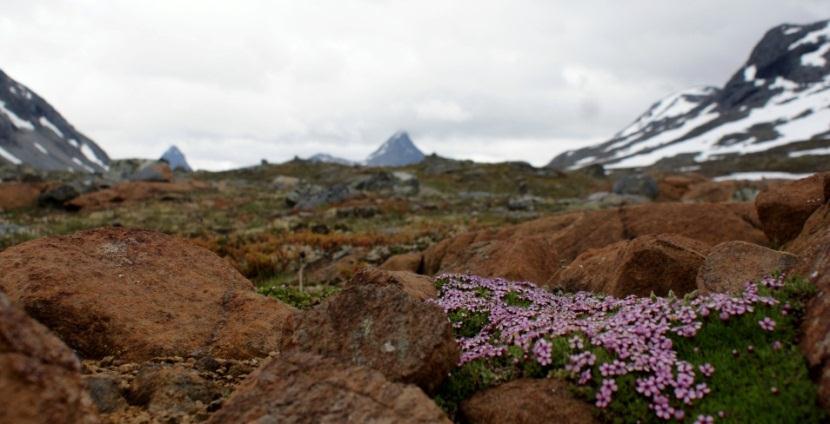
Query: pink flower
[(767, 324)]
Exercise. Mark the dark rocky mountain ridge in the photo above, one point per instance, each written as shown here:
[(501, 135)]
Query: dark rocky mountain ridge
[(32, 132)]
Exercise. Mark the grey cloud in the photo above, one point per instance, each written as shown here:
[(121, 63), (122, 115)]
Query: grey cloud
[(232, 83)]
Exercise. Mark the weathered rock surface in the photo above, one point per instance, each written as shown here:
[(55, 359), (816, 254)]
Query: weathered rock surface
[(40, 379), (673, 187), (172, 391), (527, 401), (132, 191), (813, 246), (137, 294), (783, 208), (729, 266), (158, 172), (305, 388), (418, 286), (648, 264), (15, 195), (378, 324), (412, 262), (537, 250), (711, 192)]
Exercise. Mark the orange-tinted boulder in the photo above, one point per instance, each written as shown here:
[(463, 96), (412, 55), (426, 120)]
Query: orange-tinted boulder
[(138, 294), (383, 327), (783, 208), (300, 387), (527, 401), (413, 262), (40, 379), (647, 264), (537, 250), (731, 265), (15, 195)]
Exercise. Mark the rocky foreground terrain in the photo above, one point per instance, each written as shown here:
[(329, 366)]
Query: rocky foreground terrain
[(437, 292)]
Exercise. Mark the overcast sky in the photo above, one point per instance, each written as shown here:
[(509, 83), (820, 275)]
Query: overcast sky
[(232, 82)]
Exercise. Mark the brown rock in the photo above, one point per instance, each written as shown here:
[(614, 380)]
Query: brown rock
[(105, 393), (172, 390), (813, 246), (537, 250), (19, 195), (418, 286), (527, 401), (673, 187), (131, 191), (40, 379), (384, 328), (138, 294), (412, 262), (652, 263), (304, 388), (711, 192), (729, 266), (783, 208)]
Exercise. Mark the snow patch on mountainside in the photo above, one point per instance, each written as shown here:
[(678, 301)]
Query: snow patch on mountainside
[(779, 97)]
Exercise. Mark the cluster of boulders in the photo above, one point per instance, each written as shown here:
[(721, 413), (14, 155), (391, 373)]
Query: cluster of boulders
[(304, 195), (131, 325), (128, 180), (160, 323), (661, 248)]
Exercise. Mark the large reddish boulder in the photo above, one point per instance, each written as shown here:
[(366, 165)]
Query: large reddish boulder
[(138, 294), (40, 379), (731, 265), (710, 191), (14, 195), (673, 187), (783, 208), (131, 191), (413, 262), (813, 246), (305, 388), (415, 285), (648, 264), (527, 401), (537, 250), (381, 326)]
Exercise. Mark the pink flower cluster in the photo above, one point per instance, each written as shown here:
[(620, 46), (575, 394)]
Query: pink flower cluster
[(635, 331)]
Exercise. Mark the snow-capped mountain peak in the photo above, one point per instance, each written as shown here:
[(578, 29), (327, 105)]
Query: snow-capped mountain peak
[(32, 132), (398, 150), (781, 96)]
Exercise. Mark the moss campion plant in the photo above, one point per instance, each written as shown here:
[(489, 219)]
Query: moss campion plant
[(700, 359)]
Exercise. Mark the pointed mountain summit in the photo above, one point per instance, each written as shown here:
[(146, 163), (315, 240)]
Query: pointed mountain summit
[(175, 158), (32, 132), (398, 150), (779, 99)]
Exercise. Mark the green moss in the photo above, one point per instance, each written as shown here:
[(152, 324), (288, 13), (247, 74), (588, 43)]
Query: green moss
[(758, 384), (471, 321), (299, 299), (515, 299)]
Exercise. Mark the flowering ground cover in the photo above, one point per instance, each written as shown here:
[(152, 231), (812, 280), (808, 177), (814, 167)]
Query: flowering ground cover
[(698, 359)]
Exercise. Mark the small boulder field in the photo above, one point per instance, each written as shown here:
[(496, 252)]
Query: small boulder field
[(680, 304)]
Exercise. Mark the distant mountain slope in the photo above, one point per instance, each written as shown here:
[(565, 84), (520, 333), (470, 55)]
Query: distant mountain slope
[(398, 150), (175, 158), (780, 97), (327, 158), (32, 132)]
